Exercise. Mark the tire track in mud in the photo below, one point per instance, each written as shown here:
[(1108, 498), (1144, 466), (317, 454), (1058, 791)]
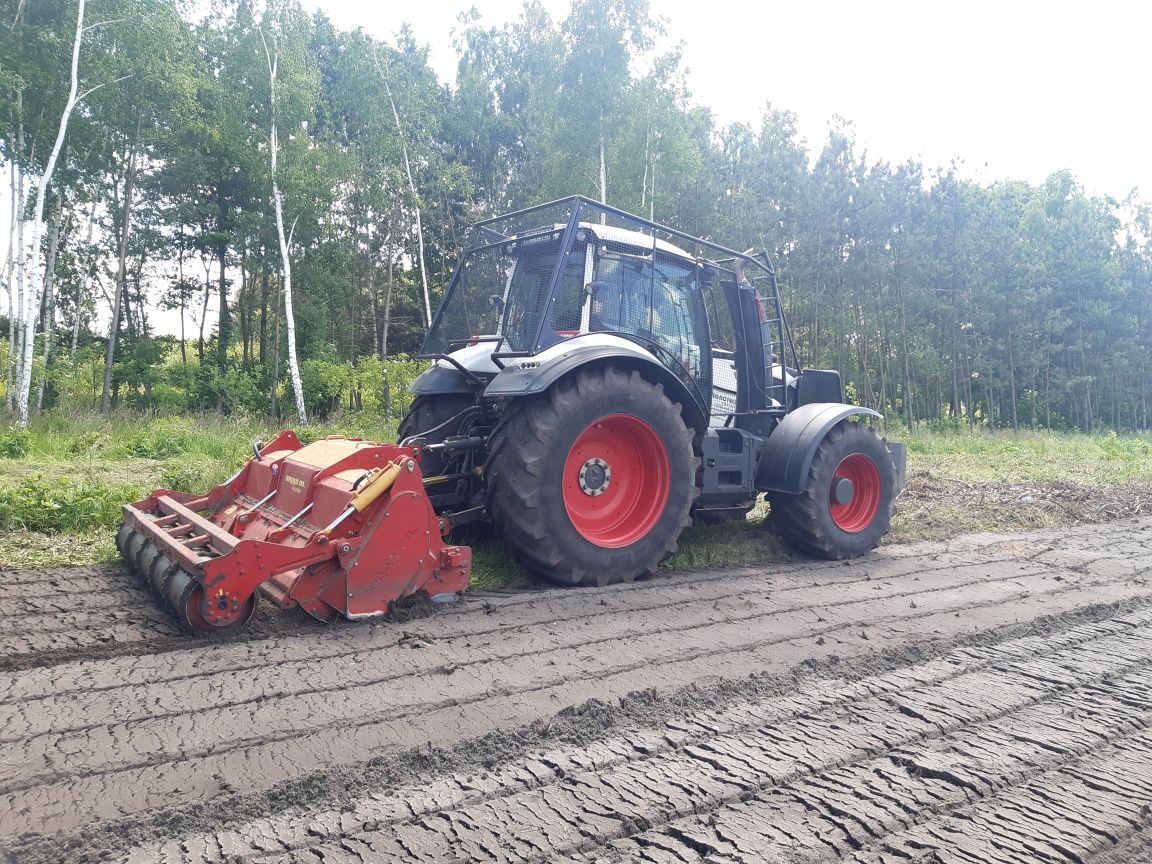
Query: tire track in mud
[(119, 737), (667, 592), (115, 769), (75, 708), (67, 613), (805, 754)]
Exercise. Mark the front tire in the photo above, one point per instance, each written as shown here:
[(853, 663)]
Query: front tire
[(592, 483), (848, 504)]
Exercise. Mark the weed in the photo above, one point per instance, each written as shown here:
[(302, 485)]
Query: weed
[(14, 443), (62, 504)]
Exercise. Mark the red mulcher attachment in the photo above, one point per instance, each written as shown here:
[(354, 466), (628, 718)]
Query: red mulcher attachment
[(337, 526)]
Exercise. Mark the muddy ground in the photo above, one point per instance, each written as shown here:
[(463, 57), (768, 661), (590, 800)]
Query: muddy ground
[(985, 699)]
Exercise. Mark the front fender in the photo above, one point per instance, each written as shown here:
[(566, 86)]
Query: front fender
[(440, 379), (533, 375), (788, 454)]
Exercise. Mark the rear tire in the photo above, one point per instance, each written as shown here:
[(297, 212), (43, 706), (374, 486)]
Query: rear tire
[(593, 482), (815, 522)]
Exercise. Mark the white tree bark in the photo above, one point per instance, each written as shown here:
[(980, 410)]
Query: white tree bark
[(10, 283), (31, 252), (121, 271), (16, 277), (49, 323), (82, 291), (603, 173), (412, 190), (285, 259)]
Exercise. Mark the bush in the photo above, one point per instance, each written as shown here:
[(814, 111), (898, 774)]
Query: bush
[(62, 504), (14, 444), (191, 476), (160, 439)]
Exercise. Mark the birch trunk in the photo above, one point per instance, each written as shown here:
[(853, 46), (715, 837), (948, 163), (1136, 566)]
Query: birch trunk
[(415, 197), (31, 252), (10, 277), (82, 291), (603, 169), (285, 258), (49, 324), (388, 290), (121, 274)]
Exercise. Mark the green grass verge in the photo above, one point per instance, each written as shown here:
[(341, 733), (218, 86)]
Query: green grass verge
[(1025, 457), (63, 481)]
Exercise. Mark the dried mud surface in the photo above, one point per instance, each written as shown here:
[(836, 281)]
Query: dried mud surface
[(986, 699)]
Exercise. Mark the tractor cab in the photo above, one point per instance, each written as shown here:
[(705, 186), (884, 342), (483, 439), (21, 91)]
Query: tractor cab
[(592, 276)]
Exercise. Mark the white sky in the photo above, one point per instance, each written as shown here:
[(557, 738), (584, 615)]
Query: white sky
[(1015, 89)]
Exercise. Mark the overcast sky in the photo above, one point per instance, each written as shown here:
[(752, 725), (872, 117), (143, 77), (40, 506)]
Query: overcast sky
[(1013, 89)]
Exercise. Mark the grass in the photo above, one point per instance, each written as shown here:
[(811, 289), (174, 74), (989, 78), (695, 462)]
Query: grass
[(1031, 457), (62, 483)]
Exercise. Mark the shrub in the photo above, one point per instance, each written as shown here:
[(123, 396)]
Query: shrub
[(62, 504), (189, 476), (157, 441), (14, 443)]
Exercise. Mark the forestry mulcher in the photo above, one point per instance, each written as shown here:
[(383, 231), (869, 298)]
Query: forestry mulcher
[(598, 382)]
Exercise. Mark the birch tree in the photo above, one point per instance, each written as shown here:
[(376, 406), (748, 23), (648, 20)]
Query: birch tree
[(31, 251), (272, 55), (411, 190)]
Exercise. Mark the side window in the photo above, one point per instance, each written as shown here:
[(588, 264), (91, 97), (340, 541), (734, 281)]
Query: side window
[(719, 315), (653, 297), (672, 323), (570, 294)]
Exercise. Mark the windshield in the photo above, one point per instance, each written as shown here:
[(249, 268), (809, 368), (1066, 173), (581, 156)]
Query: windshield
[(527, 296)]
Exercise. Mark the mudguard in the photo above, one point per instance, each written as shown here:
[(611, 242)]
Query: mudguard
[(536, 374), (787, 457), (440, 379)]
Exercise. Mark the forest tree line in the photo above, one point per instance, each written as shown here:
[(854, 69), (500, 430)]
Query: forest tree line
[(942, 300)]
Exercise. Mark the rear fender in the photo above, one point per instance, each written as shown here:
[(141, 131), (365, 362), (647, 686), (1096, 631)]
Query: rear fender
[(536, 374), (787, 457)]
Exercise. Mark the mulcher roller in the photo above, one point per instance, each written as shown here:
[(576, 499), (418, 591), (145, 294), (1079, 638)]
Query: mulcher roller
[(337, 527)]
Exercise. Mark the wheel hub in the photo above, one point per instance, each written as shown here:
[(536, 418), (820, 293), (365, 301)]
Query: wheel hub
[(843, 490), (595, 477)]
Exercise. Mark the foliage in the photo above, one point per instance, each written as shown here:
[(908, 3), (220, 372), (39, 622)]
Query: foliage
[(62, 504), (945, 303), (13, 443)]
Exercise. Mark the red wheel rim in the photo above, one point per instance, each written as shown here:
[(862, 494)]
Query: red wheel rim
[(625, 482), (858, 513)]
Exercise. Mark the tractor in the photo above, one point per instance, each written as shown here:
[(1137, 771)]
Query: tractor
[(597, 382)]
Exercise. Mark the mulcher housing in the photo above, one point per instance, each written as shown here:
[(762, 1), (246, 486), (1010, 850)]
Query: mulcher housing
[(337, 527)]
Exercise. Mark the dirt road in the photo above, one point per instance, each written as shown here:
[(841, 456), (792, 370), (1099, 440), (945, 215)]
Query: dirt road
[(988, 699)]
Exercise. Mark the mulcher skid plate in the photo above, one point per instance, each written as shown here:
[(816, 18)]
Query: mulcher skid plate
[(339, 526)]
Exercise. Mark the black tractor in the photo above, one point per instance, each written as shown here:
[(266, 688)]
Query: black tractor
[(599, 381)]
